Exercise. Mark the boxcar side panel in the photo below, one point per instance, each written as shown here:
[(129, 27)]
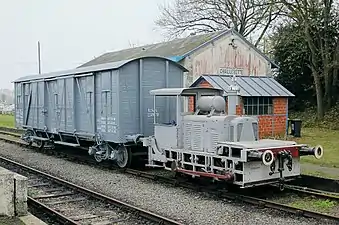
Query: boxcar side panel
[(41, 104), (115, 135), (19, 115), (46, 112), (175, 80), (84, 96), (61, 104), (104, 108), (69, 103), (27, 104), (154, 75), (53, 109), (65, 100), (97, 97), (129, 119), (32, 100)]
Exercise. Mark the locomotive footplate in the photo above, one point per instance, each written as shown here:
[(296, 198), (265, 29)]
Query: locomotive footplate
[(281, 157)]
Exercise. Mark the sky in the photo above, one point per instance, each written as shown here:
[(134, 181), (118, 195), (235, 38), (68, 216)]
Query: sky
[(71, 32)]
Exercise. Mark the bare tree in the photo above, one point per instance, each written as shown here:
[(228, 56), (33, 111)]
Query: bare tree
[(320, 25), (202, 16)]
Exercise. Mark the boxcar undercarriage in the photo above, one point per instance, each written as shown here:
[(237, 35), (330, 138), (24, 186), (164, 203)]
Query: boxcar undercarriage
[(120, 153)]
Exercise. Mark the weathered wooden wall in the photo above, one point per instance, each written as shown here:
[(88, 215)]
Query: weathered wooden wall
[(222, 54)]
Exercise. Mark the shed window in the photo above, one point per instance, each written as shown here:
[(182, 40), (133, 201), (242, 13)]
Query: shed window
[(258, 105)]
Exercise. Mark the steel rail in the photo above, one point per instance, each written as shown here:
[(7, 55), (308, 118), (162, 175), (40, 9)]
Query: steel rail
[(232, 196), (32, 203), (280, 207), (127, 207), (312, 191)]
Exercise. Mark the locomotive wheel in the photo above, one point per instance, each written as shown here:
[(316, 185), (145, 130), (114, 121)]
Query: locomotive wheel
[(124, 157)]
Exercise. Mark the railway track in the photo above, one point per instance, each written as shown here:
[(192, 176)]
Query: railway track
[(261, 200), (69, 203)]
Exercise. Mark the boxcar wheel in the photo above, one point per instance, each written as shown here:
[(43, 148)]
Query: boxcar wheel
[(29, 133), (124, 158), (40, 143)]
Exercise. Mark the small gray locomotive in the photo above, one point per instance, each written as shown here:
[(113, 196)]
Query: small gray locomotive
[(209, 143)]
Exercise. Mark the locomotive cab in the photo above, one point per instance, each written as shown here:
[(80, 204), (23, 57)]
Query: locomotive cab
[(167, 127)]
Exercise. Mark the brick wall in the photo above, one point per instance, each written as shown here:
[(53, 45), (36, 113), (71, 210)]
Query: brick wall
[(272, 125), (269, 125)]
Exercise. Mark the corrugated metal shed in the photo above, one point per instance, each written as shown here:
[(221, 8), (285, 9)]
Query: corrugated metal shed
[(89, 69), (175, 50), (249, 86)]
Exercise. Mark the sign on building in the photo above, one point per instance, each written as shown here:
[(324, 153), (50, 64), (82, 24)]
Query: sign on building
[(230, 71)]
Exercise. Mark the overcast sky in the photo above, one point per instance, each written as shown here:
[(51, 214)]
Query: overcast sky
[(71, 32)]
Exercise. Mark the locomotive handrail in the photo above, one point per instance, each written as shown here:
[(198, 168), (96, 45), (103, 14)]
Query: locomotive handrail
[(185, 91), (234, 144)]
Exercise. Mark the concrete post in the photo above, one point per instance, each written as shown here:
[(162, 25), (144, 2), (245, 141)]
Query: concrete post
[(6, 193), (20, 195), (13, 194)]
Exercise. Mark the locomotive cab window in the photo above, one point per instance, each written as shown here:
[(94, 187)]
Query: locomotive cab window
[(164, 110)]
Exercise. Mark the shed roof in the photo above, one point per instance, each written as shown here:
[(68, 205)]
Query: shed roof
[(89, 69), (250, 86), (175, 50)]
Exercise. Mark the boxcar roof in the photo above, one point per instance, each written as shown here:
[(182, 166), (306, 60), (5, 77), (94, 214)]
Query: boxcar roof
[(184, 91), (90, 69)]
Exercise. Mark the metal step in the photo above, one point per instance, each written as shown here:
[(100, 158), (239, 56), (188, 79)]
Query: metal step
[(66, 143), (40, 138)]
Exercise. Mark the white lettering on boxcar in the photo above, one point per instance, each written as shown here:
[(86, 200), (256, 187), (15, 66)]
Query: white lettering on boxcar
[(150, 112)]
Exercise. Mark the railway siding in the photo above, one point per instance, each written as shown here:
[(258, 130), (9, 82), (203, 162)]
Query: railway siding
[(176, 203), (73, 204)]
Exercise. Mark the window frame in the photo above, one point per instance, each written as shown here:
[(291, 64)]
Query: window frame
[(256, 106)]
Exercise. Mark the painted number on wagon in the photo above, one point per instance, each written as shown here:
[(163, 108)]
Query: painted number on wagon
[(150, 112)]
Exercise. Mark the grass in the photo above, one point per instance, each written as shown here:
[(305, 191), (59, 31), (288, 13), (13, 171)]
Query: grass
[(318, 205), (6, 120), (317, 173), (329, 139)]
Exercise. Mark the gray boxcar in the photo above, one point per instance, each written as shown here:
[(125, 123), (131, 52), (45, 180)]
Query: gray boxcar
[(108, 105)]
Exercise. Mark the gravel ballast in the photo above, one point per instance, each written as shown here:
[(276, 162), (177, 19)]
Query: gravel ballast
[(179, 204)]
